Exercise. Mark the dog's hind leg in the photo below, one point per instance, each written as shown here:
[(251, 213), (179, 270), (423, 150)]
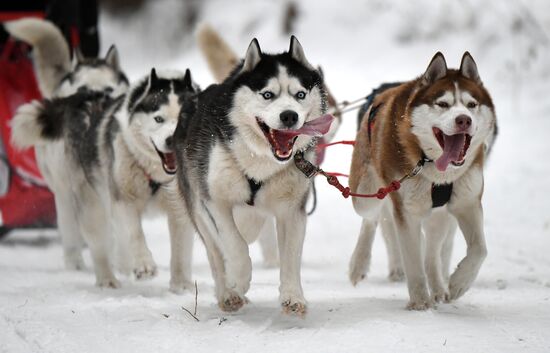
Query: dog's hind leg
[(95, 228), (436, 229), (182, 233), (129, 232), (67, 222), (395, 265), (360, 260), (253, 226), (291, 229), (268, 243), (370, 211)]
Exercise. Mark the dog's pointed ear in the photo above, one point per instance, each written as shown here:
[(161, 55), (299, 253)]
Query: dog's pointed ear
[(321, 72), (111, 58), (153, 79), (297, 52), (468, 67), (78, 57), (187, 80), (436, 70), (253, 56)]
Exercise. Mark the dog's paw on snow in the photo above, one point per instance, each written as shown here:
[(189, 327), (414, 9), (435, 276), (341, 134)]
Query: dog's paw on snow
[(146, 270), (294, 305), (420, 305), (441, 296), (396, 275), (231, 301), (74, 262), (181, 286), (108, 282)]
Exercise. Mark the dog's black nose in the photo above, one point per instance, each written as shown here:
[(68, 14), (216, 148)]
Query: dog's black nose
[(289, 118), (169, 141), (463, 122)]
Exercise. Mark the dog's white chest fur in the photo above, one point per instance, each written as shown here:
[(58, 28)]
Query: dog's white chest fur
[(228, 179)]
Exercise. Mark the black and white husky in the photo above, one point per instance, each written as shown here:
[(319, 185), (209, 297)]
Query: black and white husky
[(116, 159), (235, 150)]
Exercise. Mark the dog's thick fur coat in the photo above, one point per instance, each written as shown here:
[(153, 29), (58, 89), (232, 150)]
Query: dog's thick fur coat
[(447, 116)]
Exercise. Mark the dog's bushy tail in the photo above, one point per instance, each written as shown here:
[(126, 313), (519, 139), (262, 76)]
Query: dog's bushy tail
[(50, 49), (220, 57), (36, 123)]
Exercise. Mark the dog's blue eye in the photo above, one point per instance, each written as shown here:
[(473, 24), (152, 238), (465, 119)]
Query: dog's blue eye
[(159, 119), (267, 95), (301, 95)]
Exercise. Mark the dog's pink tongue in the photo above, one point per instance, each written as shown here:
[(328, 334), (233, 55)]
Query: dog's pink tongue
[(451, 152), (315, 127)]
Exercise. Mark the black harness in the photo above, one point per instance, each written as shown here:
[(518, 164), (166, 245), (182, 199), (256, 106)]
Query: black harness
[(441, 194), (154, 186), (254, 188)]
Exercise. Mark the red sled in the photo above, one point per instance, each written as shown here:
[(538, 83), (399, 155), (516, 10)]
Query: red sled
[(28, 203)]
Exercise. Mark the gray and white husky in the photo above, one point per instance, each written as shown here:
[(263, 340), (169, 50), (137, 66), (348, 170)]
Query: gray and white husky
[(116, 159), (58, 76), (235, 149)]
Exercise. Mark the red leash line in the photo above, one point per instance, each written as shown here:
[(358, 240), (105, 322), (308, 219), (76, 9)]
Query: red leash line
[(346, 192), (343, 142)]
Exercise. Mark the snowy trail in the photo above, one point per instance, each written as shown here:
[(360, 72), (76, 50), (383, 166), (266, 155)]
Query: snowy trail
[(44, 308)]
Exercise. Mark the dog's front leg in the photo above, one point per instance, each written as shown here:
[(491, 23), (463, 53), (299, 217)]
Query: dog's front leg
[(411, 245), (470, 220), (291, 229), (238, 265), (128, 220)]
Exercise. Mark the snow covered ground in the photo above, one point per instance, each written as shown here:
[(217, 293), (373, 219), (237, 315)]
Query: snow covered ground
[(44, 308)]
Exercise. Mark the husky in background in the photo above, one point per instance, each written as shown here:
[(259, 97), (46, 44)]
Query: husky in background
[(235, 150), (222, 60), (117, 158), (59, 77), (442, 121)]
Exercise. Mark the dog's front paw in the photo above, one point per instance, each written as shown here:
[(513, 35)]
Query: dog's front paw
[(396, 274), (231, 301), (108, 282), (74, 262), (294, 304), (180, 286), (458, 285), (357, 270), (420, 299), (145, 268), (441, 296), (420, 304)]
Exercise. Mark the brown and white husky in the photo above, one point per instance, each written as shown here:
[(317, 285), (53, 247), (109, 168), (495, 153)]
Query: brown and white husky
[(441, 120)]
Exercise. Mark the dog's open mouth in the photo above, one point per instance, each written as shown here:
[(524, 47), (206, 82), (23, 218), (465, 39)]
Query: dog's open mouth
[(282, 141), (454, 148), (168, 160)]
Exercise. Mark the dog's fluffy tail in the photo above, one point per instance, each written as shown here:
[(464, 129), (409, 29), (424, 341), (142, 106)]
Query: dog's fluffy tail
[(50, 50), (220, 57), (35, 123)]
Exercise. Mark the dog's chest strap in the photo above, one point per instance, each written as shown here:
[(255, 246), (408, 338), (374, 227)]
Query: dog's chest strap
[(441, 194), (154, 185), (254, 188)]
